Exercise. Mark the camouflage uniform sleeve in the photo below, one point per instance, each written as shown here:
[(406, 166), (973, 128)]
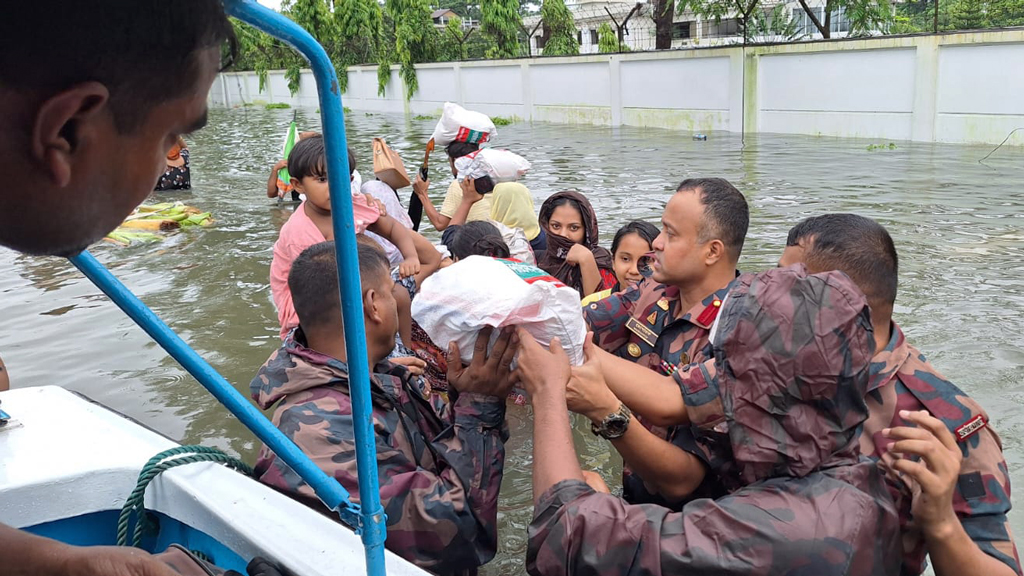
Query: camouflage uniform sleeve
[(443, 519), (607, 319), (700, 394), (982, 497), (771, 530), (699, 386), (452, 511)]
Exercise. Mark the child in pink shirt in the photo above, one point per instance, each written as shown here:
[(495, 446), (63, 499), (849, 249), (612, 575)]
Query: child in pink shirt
[(311, 224)]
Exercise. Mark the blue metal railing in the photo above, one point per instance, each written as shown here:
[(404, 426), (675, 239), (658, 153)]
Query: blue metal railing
[(369, 518)]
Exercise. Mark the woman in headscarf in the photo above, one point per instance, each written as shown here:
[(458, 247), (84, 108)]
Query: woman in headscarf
[(512, 205), (573, 255)]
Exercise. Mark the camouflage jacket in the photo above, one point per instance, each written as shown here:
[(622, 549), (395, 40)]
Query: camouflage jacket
[(902, 379), (792, 394), (645, 324), (440, 465)]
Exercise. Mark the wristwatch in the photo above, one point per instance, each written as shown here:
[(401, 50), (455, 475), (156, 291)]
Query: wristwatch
[(614, 425)]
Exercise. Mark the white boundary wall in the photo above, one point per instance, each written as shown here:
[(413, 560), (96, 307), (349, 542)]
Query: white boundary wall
[(961, 88)]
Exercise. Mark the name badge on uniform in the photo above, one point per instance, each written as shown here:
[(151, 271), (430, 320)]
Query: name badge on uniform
[(645, 333), (970, 427)]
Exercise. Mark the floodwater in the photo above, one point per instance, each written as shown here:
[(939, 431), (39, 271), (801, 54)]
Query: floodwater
[(958, 225)]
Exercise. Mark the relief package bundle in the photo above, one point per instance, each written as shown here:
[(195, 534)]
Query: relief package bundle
[(499, 165), (455, 303), (460, 125)]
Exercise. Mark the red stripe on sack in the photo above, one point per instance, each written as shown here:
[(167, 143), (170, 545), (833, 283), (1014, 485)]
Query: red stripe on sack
[(462, 134), (970, 427)]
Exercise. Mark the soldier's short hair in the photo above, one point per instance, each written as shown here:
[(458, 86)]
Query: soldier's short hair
[(855, 245), (726, 214), (143, 51), (313, 281)]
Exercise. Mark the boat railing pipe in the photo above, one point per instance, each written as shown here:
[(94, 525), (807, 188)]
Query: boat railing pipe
[(333, 122), (368, 519)]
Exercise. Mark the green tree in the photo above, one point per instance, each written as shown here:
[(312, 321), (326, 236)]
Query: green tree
[(500, 22), (315, 16), (967, 14), (561, 28), (607, 41), (1006, 12), (453, 45), (865, 16), (410, 38), (359, 27), (773, 25)]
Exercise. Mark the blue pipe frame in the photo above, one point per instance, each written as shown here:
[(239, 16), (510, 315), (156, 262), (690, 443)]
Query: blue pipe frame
[(368, 518)]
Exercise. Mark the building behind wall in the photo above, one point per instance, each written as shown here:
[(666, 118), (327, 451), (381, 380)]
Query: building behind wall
[(689, 30)]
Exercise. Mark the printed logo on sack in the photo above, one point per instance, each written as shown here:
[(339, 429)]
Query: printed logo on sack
[(471, 136), (529, 274)]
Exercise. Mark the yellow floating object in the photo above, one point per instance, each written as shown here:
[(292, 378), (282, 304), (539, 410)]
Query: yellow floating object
[(147, 224)]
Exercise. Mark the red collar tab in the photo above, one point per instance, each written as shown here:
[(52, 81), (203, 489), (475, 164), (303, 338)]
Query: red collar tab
[(707, 317)]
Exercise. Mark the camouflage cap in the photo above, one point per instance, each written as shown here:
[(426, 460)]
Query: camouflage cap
[(792, 353)]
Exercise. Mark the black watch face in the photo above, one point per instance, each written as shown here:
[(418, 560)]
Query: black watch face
[(617, 425)]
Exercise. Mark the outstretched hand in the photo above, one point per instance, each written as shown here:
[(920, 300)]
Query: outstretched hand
[(588, 392), (488, 374), (544, 372), (936, 472)]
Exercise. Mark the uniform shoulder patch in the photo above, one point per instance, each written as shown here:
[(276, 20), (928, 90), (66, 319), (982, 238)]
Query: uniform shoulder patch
[(970, 427)]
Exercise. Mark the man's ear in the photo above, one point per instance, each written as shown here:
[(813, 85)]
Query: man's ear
[(371, 309), (62, 123), (714, 251)]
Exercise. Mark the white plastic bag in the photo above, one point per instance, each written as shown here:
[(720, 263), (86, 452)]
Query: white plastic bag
[(455, 303), (500, 165), (460, 125)]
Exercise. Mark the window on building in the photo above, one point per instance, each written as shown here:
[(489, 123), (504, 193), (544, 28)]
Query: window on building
[(840, 21), (681, 30), (579, 36), (804, 24), (593, 37), (541, 41), (729, 27)]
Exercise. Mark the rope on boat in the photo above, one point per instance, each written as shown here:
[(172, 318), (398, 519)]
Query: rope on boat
[(179, 456)]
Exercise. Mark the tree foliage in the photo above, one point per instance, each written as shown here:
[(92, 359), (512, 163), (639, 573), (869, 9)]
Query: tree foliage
[(453, 42), (561, 28), (410, 38), (607, 40), (500, 21)]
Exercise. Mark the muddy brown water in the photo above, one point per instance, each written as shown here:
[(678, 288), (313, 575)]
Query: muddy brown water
[(958, 225)]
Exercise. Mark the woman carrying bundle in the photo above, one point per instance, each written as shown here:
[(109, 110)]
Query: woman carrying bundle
[(573, 255)]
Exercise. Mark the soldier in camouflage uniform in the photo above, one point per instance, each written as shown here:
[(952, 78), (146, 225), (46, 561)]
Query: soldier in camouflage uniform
[(440, 465), (662, 322), (953, 504), (791, 356)]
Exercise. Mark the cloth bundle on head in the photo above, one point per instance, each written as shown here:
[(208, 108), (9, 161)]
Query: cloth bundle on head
[(512, 205), (460, 125), (500, 165), (791, 354), (552, 260)]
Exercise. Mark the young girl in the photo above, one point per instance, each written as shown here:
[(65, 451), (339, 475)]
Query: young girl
[(573, 255), (311, 224), (632, 242)]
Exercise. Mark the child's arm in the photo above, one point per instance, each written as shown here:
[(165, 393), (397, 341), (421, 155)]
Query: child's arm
[(5, 380), (430, 258), (272, 191), (401, 237)]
